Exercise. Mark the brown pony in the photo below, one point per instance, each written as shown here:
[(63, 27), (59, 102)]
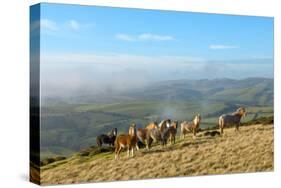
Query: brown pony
[(128, 141), (232, 119), (190, 127), (148, 134)]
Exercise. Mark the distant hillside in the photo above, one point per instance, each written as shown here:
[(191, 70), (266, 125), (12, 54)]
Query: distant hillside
[(70, 125), (257, 91)]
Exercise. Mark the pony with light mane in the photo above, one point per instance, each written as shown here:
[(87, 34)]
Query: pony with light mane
[(190, 127), (232, 119), (148, 134), (128, 141)]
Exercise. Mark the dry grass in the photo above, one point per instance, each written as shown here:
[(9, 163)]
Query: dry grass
[(251, 150)]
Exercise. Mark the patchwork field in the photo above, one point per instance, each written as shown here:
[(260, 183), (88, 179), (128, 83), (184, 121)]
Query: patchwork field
[(251, 150)]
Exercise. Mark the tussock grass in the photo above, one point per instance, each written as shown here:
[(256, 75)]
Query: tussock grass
[(250, 150)]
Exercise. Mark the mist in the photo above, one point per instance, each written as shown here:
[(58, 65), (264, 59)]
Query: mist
[(64, 75)]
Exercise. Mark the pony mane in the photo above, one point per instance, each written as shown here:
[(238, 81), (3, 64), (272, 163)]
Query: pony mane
[(132, 130), (238, 111)]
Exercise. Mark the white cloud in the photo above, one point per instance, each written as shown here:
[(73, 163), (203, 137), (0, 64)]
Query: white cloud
[(47, 24), (221, 47), (149, 36), (73, 25), (144, 37), (51, 27), (124, 37)]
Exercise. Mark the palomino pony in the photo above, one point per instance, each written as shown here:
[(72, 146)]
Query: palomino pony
[(190, 127), (128, 141), (170, 133), (232, 119), (148, 134)]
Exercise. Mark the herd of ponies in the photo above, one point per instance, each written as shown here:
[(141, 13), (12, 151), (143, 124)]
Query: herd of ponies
[(163, 131)]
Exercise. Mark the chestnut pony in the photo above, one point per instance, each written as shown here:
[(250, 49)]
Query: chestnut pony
[(128, 141)]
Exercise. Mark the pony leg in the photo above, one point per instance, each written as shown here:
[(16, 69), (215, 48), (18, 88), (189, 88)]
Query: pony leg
[(221, 130), (128, 152), (147, 146), (194, 133), (118, 152), (132, 151), (237, 128), (149, 142), (183, 135)]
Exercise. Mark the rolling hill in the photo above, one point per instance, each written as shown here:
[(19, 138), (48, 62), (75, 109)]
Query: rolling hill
[(69, 125)]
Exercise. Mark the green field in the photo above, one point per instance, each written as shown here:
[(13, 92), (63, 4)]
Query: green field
[(68, 127)]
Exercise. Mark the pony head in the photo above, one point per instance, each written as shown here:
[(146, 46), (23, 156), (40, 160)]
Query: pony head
[(241, 111), (168, 122), (174, 124), (197, 119), (115, 131), (132, 129)]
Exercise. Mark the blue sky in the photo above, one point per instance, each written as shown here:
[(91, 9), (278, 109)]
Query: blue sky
[(88, 40)]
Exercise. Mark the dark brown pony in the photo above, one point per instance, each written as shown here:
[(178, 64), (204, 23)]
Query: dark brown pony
[(108, 138), (173, 131), (190, 127), (170, 133), (128, 141), (164, 124)]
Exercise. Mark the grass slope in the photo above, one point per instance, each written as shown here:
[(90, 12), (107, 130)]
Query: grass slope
[(251, 150)]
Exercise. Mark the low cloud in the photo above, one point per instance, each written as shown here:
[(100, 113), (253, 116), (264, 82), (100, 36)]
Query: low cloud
[(221, 47), (100, 74), (144, 37)]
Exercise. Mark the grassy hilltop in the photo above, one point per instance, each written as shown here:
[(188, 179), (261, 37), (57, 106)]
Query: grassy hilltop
[(251, 150)]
